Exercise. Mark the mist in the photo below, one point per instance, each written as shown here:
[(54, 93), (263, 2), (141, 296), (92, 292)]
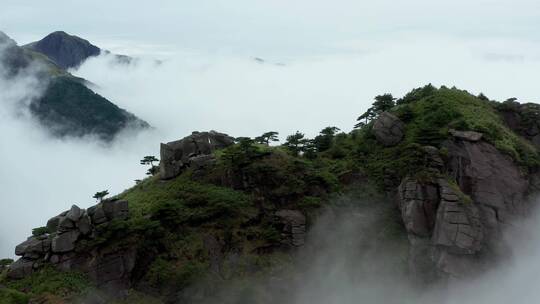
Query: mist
[(42, 175), (371, 273), (356, 252)]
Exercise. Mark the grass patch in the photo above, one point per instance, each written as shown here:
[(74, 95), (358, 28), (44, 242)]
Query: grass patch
[(51, 281), (183, 200), (10, 296)]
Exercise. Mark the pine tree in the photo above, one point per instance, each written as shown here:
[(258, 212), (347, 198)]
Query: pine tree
[(323, 141), (100, 195), (267, 137), (149, 160), (295, 143)]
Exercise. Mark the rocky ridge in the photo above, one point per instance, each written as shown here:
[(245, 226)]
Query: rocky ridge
[(218, 206), (456, 218), (195, 149), (63, 244)]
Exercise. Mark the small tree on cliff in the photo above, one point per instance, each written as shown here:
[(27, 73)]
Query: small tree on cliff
[(100, 195), (267, 137), (149, 160), (382, 103)]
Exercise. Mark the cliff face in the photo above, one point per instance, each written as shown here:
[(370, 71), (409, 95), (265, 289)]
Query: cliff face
[(224, 212), (455, 223)]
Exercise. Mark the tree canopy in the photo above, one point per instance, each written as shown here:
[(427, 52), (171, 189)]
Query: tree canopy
[(149, 160), (323, 141), (267, 137), (296, 143), (100, 195), (382, 103)]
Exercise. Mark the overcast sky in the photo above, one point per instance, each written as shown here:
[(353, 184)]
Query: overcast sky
[(278, 28), (337, 55)]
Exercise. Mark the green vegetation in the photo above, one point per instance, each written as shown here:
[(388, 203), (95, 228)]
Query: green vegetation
[(446, 108), (5, 262), (51, 281), (40, 231), (429, 114), (296, 143), (10, 296), (70, 108), (149, 160), (267, 137), (100, 195), (193, 199), (382, 103)]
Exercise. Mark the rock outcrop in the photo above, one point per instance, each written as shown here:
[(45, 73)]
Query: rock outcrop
[(388, 129), (455, 223), (466, 135), (293, 227), (524, 119), (195, 149), (65, 246)]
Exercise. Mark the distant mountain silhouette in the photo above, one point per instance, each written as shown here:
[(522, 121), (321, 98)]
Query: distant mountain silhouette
[(67, 51), (67, 107)]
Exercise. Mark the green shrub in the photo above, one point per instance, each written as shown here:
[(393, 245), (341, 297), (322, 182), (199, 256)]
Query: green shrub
[(52, 281), (40, 231), (5, 262), (310, 202), (10, 296), (175, 273)]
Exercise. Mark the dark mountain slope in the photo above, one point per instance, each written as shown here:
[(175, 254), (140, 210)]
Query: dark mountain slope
[(69, 51), (65, 50), (67, 106)]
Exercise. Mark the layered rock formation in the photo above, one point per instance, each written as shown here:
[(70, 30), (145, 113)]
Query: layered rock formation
[(195, 149), (66, 246), (455, 230)]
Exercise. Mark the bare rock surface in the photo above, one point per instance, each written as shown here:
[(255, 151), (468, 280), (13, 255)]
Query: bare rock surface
[(455, 223), (388, 129), (109, 266), (293, 224), (195, 148)]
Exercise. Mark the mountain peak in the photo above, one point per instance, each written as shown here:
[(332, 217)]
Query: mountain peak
[(67, 51)]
